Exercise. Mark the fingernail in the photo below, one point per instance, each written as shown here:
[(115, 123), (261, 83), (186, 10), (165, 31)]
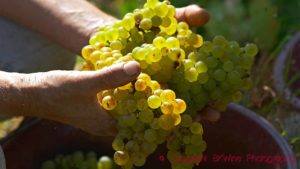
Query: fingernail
[(131, 68)]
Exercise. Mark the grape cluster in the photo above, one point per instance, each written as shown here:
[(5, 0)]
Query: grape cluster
[(79, 160), (181, 74)]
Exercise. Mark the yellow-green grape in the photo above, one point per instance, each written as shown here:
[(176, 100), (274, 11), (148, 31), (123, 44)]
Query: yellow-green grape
[(154, 124), (167, 95), (154, 101), (159, 42), (86, 51), (196, 128), (186, 120), (140, 85), (251, 50), (172, 42), (188, 63), (145, 77), (191, 74), (121, 157), (167, 108), (116, 45), (201, 67), (142, 104), (146, 24), (109, 102), (128, 23), (179, 106), (182, 26), (161, 9), (151, 3)]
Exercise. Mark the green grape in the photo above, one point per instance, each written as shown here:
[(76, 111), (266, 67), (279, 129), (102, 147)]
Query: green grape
[(211, 62), (138, 159), (150, 135), (220, 75), (121, 157), (251, 50), (201, 67), (154, 124), (132, 146), (130, 119), (186, 139), (118, 144), (233, 77), (220, 41), (106, 162), (191, 74), (228, 66), (186, 120), (148, 148), (156, 20), (196, 128), (146, 116), (196, 139)]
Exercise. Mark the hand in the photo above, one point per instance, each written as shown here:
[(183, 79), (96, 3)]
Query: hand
[(70, 96)]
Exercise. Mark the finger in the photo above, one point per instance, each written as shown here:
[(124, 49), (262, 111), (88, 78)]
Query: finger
[(194, 15), (107, 78), (209, 114)]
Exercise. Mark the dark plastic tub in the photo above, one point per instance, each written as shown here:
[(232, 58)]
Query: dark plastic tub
[(291, 53), (239, 133)]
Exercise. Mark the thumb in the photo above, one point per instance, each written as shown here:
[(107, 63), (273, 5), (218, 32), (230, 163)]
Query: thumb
[(110, 77), (194, 15)]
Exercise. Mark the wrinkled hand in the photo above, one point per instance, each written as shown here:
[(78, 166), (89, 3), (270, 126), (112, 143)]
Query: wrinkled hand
[(70, 96)]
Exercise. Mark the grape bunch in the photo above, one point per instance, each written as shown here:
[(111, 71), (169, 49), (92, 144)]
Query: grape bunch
[(79, 160), (181, 74)]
